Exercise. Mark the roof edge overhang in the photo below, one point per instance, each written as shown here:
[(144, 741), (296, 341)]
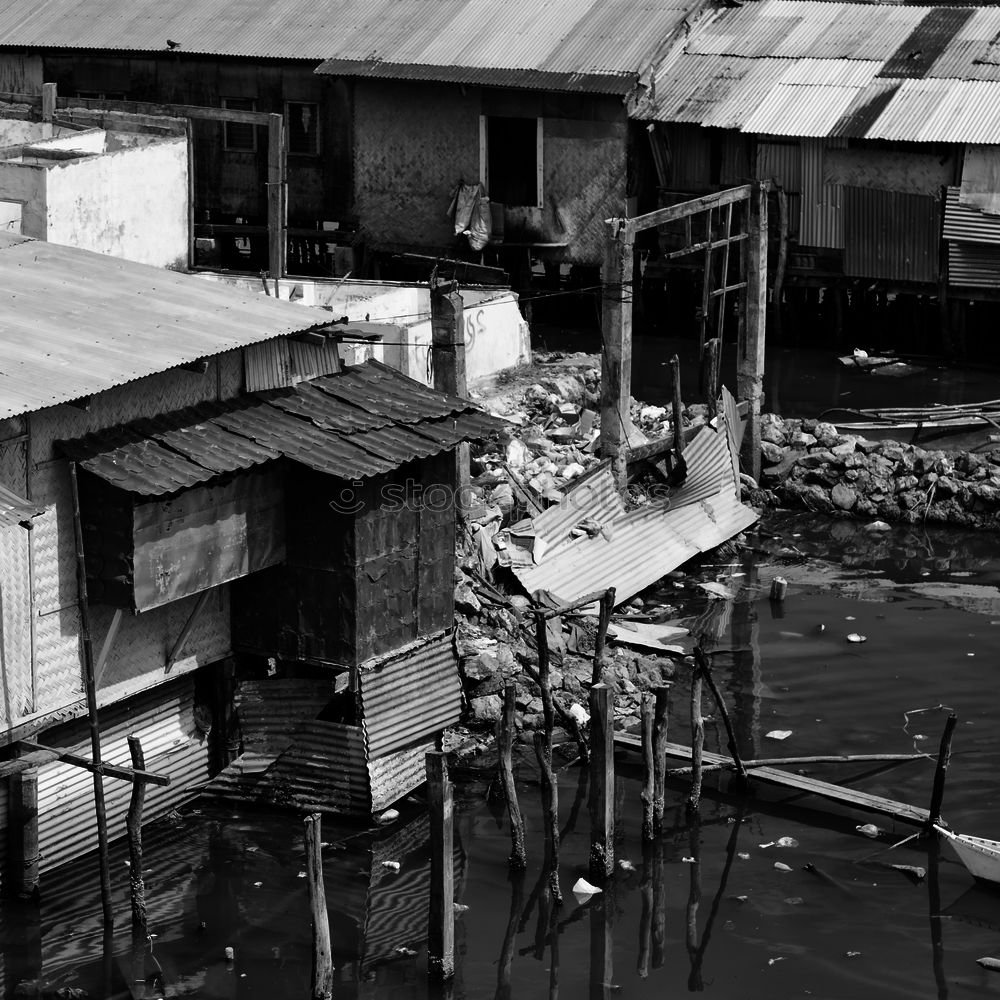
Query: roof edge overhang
[(618, 83)]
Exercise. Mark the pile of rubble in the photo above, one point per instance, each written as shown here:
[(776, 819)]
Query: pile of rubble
[(808, 464)]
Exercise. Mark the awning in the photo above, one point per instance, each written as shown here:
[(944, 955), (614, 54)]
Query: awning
[(16, 510), (358, 423)]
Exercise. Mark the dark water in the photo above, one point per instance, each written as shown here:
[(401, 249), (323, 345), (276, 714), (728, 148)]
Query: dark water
[(729, 923)]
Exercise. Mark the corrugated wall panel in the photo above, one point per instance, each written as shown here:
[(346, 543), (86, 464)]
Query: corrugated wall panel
[(822, 223), (973, 265), (411, 698), (397, 774), (164, 720), (16, 682), (891, 235), (968, 224)]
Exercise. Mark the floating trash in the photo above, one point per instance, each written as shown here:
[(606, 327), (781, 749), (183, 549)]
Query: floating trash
[(626, 866), (403, 950), (583, 890), (770, 843), (781, 866), (787, 842), (854, 954), (794, 901), (857, 637), (778, 734), (392, 866), (302, 875), (772, 961), (868, 829), (744, 855)]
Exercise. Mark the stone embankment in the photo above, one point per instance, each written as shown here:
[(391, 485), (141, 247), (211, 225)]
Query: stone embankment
[(807, 464)]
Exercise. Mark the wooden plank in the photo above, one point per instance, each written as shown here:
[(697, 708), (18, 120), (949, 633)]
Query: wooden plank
[(703, 245), (48, 101), (46, 754), (720, 323), (162, 110), (796, 782), (602, 783), (750, 350), (726, 289), (108, 645), (706, 285), (33, 758), (616, 366), (674, 212), (276, 195)]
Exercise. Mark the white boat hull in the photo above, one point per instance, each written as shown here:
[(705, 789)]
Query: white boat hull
[(980, 856)]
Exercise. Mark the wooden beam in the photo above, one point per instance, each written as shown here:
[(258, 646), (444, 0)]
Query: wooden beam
[(276, 221), (703, 245), (175, 653), (726, 289), (795, 782), (109, 642), (162, 110), (616, 363), (750, 351), (48, 102), (673, 213), (441, 916), (43, 754)]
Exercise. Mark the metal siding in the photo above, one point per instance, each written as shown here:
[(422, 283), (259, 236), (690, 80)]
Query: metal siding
[(283, 362), (397, 774), (964, 223), (780, 162), (77, 323), (890, 235), (973, 265), (822, 223), (411, 698), (164, 721), (562, 36)]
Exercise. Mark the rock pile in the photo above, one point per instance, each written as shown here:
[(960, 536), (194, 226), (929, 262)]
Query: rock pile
[(808, 464)]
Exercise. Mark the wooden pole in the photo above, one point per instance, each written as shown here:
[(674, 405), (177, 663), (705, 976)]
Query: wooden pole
[(602, 782), (505, 750), (710, 374), (697, 741), (661, 705), (91, 691), (133, 826), (616, 366), (941, 771), (322, 957), (276, 211), (441, 925), (750, 353), (607, 607), (504, 965), (544, 682), (648, 767), (23, 834), (779, 587), (779, 272), (678, 405), (550, 808), (706, 285), (49, 94), (705, 666), (448, 362)]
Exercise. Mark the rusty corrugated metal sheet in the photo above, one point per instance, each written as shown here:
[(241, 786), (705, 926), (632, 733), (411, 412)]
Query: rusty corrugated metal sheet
[(891, 235), (316, 424), (967, 224), (921, 48), (398, 773), (863, 31), (973, 265), (780, 162), (822, 224), (600, 38), (76, 323), (411, 697), (172, 744), (648, 542), (912, 105), (865, 109), (15, 510)]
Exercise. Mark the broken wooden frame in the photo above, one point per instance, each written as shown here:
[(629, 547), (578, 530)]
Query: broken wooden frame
[(151, 115), (616, 372)]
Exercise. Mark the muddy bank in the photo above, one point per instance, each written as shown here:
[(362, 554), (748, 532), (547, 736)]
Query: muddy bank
[(807, 464)]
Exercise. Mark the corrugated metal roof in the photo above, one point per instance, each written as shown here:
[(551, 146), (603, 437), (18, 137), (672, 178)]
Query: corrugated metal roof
[(599, 39), (15, 510), (411, 698), (312, 423), (646, 543), (968, 224), (75, 323), (723, 76)]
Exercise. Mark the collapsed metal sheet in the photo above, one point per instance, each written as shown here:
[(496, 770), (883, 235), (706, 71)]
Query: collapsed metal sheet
[(641, 546), (16, 510)]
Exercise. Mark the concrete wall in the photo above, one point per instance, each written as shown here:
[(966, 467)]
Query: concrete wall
[(131, 203), (496, 336), (26, 183), (91, 141)]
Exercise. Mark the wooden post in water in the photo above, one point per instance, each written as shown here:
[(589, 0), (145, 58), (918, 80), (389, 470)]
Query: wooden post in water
[(941, 771), (505, 750), (616, 361), (322, 958), (678, 405), (550, 810), (705, 667), (441, 923), (661, 705), (133, 827), (750, 351), (697, 740), (602, 782), (648, 767), (23, 836)]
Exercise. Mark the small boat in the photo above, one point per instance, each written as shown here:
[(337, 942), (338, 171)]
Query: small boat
[(980, 856)]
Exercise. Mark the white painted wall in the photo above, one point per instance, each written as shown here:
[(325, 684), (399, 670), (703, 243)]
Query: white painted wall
[(25, 183), (132, 203)]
